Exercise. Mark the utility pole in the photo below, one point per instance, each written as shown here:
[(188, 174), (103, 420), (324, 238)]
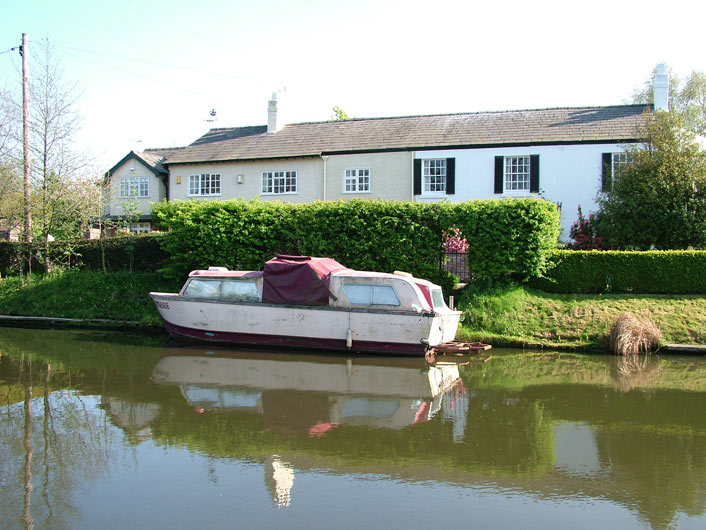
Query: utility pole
[(24, 52)]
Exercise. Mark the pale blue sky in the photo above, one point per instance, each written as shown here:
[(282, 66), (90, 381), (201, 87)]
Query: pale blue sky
[(150, 71)]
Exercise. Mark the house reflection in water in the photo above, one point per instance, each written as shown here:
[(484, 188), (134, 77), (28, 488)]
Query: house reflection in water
[(279, 479), (316, 396)]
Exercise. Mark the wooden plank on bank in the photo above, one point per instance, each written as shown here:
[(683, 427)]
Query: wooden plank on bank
[(49, 321), (686, 348)]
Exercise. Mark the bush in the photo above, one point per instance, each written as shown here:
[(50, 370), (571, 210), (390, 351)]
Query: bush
[(505, 238), (142, 253), (654, 272)]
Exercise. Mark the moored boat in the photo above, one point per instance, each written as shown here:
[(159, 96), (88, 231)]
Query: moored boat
[(310, 302)]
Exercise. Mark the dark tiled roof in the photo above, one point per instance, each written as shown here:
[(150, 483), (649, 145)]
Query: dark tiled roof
[(520, 127), (155, 156)]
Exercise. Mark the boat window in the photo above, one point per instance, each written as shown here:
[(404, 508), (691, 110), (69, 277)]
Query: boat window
[(371, 295), (198, 288), (438, 299), (240, 290)]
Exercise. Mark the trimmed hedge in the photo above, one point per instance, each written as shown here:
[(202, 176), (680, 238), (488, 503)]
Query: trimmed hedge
[(506, 237), (143, 253), (654, 272)]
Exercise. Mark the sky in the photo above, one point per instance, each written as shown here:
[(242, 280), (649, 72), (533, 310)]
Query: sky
[(148, 72)]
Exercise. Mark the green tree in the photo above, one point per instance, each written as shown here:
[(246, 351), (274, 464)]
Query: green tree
[(658, 199), (339, 114), (686, 97)]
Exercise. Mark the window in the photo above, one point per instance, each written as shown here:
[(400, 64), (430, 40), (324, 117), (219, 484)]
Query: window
[(240, 290), (276, 182), (612, 162), (619, 160), (203, 289), (434, 175), (135, 187), (357, 180), (205, 184), (371, 294), (517, 174)]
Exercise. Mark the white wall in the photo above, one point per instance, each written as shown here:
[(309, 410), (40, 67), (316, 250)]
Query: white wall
[(309, 179), (569, 175), (157, 190)]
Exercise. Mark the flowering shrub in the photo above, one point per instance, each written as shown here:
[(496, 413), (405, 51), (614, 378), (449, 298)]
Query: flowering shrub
[(583, 232), (454, 242)]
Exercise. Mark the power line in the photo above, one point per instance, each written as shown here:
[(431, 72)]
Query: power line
[(174, 66), (201, 94)]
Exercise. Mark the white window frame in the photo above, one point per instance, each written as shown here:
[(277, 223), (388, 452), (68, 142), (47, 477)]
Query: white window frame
[(618, 160), (356, 180), (376, 295), (434, 172), (204, 184), (281, 182), (516, 174), (134, 187)]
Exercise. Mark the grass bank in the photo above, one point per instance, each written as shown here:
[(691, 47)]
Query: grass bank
[(503, 316), (514, 315), (119, 296)]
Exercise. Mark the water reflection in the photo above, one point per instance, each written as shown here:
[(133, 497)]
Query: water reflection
[(84, 418), (313, 396)]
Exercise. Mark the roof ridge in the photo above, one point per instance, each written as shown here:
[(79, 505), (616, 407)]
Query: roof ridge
[(474, 113), (160, 148)]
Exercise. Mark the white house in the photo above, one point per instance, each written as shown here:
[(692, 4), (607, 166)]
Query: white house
[(564, 155), (138, 180)]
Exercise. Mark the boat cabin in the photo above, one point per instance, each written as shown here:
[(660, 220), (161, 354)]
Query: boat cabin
[(303, 280)]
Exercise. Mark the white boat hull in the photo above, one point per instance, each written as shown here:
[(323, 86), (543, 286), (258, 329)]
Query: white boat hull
[(392, 332)]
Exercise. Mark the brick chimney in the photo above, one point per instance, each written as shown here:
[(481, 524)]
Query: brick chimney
[(660, 88)]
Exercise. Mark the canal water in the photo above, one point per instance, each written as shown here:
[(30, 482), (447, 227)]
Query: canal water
[(108, 430)]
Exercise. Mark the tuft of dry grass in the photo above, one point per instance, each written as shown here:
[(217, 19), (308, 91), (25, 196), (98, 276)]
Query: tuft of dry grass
[(630, 335)]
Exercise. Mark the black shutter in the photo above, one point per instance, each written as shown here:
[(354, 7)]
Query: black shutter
[(534, 173), (607, 172), (450, 176), (417, 176), (499, 170)]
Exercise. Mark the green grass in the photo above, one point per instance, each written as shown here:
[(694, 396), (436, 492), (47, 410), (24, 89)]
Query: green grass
[(516, 315), (86, 295), (511, 315)]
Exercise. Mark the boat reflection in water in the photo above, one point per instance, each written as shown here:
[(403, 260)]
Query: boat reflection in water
[(314, 395)]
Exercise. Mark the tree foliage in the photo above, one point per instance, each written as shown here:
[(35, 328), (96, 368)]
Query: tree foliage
[(686, 97), (64, 196), (339, 114), (658, 199)]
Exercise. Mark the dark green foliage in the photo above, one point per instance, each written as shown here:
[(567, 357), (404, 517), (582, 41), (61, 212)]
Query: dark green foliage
[(658, 199), (507, 238), (142, 253), (655, 272)]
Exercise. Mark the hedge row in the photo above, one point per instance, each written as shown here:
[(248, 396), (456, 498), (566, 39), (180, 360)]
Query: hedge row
[(143, 253), (654, 272), (506, 237)]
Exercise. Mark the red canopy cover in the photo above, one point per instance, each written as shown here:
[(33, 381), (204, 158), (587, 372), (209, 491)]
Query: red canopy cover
[(298, 280)]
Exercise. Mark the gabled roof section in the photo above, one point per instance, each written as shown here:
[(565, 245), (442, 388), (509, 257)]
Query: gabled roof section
[(151, 158), (618, 123)]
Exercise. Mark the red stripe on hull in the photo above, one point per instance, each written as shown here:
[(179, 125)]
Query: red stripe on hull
[(225, 337)]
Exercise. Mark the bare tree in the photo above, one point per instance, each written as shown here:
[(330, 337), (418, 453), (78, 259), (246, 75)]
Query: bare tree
[(64, 193)]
